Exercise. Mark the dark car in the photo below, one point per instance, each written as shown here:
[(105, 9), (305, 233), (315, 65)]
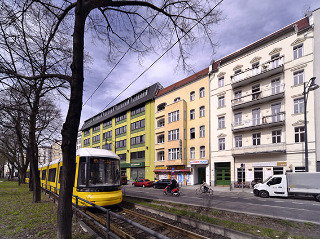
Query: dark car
[(162, 183)]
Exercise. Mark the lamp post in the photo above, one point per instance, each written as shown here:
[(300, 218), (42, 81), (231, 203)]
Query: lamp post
[(307, 87)]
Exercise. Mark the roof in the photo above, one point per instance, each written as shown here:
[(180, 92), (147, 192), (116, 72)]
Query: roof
[(86, 152), (123, 106), (300, 26), (183, 82)]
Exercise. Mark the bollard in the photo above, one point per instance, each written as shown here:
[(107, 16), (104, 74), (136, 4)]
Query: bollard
[(108, 224)]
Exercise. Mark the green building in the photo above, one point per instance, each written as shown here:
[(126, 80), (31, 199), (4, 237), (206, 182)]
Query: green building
[(127, 128)]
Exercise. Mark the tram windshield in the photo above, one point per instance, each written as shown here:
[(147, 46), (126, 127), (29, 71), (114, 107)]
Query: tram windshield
[(99, 172)]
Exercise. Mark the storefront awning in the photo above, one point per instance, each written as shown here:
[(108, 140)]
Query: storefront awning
[(172, 171)]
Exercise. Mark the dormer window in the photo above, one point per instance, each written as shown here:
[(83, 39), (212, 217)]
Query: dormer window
[(161, 106), (176, 99)]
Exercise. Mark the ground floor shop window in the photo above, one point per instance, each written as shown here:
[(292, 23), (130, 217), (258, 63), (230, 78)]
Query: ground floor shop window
[(277, 170), (258, 174)]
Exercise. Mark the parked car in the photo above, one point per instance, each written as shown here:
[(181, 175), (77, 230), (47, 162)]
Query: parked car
[(162, 183), (143, 183)]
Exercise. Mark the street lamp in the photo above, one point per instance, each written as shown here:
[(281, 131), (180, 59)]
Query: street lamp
[(307, 87)]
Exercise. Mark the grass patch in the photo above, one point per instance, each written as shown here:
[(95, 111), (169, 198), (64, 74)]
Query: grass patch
[(212, 217)]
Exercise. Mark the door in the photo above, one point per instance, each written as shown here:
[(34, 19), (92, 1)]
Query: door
[(276, 186), (222, 174), (201, 175)]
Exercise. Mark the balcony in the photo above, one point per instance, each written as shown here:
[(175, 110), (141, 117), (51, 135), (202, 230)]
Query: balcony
[(259, 122), (259, 149), (264, 70), (276, 92)]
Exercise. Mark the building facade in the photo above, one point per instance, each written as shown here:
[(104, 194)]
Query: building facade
[(127, 128), (44, 155), (182, 130), (257, 107)]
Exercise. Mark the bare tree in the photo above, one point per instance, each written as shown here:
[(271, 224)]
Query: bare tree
[(141, 26)]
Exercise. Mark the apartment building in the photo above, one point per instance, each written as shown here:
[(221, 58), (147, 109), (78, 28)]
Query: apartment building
[(127, 128), (257, 107), (44, 154), (182, 130)]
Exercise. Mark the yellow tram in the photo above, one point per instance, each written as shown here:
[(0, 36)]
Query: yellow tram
[(97, 177)]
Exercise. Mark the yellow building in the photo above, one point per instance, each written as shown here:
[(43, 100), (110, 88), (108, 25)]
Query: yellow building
[(127, 129), (182, 130)]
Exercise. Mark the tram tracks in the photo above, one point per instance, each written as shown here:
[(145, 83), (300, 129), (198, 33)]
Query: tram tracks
[(125, 230)]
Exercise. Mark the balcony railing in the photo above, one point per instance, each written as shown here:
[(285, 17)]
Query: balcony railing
[(259, 122), (264, 67), (258, 97), (264, 148)]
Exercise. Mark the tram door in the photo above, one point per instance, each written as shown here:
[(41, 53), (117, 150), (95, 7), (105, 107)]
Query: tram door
[(137, 173)]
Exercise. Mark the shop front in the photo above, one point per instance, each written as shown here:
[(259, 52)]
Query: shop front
[(134, 170), (180, 173), (200, 172)]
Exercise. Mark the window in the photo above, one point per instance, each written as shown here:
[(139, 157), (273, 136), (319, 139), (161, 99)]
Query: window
[(161, 106), (202, 131), (299, 169), (96, 128), (96, 138), (121, 117), (255, 117), (138, 125), (52, 175), (238, 141), (160, 139), (256, 93), (44, 175), (275, 112), (173, 154), (255, 68), (237, 96), (107, 146), (222, 144), (299, 134), (107, 135), (298, 77), (275, 181), (173, 116), (173, 134), (241, 175), (298, 51), (123, 157), (86, 141), (201, 92), (177, 99), (192, 95), (160, 123), (60, 174), (86, 132), (192, 114), (192, 133), (237, 72), (275, 86), (192, 153), (160, 156), (277, 170), (258, 174), (275, 60), (202, 111), (202, 152), (138, 110), (221, 122), (298, 106), (220, 101), (137, 140), (221, 82), (137, 155), (276, 136), (238, 119), (121, 144), (256, 139), (107, 123), (121, 130)]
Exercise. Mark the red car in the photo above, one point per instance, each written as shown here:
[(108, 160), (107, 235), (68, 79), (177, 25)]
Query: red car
[(143, 183)]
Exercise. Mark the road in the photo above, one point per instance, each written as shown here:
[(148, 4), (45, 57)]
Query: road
[(298, 209)]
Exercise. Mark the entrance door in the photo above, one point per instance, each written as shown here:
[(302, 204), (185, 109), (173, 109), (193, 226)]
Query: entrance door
[(201, 175), (223, 174)]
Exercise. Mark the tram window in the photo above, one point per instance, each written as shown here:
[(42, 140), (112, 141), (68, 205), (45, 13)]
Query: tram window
[(60, 174), (104, 171), (28, 174), (44, 172), (52, 175), (82, 174)]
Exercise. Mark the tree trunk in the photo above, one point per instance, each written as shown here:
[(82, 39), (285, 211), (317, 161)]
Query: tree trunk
[(70, 128), (30, 180)]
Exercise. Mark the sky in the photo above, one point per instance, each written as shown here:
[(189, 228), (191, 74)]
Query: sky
[(245, 21)]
